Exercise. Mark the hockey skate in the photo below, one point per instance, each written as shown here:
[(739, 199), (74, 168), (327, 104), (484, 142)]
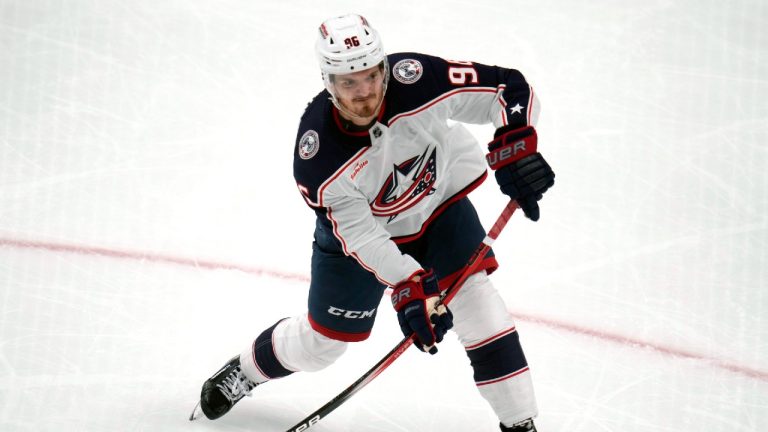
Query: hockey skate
[(223, 390), (523, 426)]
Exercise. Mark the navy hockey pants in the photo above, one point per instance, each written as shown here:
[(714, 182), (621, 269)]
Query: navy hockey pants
[(344, 297)]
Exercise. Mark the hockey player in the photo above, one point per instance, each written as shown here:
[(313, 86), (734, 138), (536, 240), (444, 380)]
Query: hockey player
[(388, 179)]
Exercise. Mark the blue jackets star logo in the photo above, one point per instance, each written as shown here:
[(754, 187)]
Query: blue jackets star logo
[(410, 182)]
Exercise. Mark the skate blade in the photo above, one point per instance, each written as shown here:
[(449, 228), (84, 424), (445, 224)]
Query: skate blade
[(196, 413)]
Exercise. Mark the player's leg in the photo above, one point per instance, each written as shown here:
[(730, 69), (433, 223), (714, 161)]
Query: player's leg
[(488, 333), (342, 303), (343, 298), (481, 319)]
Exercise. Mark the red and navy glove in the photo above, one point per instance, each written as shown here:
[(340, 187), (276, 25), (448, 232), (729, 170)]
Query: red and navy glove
[(521, 171), (414, 300)]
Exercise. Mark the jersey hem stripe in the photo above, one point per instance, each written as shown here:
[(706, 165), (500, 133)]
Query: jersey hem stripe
[(488, 264), (440, 209)]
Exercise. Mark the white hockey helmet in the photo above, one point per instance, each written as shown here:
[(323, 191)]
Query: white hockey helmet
[(348, 44)]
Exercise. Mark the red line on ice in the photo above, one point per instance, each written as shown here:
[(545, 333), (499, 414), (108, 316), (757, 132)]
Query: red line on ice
[(151, 257), (299, 277), (634, 342)]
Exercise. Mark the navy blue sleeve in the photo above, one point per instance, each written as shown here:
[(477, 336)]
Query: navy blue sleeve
[(445, 77), (321, 148)]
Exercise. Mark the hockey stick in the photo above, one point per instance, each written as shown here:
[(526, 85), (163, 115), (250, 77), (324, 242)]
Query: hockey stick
[(397, 351)]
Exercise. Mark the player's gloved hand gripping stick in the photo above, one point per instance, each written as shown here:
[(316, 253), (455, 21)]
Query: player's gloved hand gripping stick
[(420, 312), (389, 358)]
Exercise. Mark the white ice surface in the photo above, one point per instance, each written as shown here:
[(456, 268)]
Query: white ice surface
[(135, 133)]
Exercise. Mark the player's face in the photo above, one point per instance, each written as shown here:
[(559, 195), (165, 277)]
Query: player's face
[(360, 93)]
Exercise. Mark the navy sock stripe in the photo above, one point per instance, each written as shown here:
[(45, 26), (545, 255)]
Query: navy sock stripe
[(500, 358), (502, 378), (264, 354)]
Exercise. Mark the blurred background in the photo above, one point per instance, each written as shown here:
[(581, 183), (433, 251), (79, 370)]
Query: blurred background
[(150, 226)]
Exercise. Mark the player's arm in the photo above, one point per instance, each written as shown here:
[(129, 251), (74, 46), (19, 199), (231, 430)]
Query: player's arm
[(491, 94), (366, 240), (480, 94)]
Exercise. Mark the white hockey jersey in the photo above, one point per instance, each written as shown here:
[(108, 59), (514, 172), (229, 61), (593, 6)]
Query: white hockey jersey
[(384, 186)]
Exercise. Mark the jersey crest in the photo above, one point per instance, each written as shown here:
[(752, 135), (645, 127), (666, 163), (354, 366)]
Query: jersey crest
[(410, 182)]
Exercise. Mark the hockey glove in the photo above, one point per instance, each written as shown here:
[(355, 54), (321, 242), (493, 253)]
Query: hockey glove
[(521, 171), (414, 300)]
